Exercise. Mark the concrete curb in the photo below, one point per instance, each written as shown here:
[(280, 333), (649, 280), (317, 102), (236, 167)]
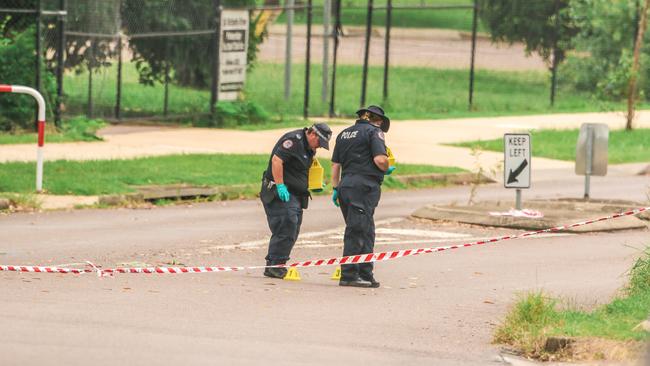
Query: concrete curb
[(184, 191), (452, 178), (176, 192), (556, 213)]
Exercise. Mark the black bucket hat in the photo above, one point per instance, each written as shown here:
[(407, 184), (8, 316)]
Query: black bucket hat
[(376, 110), (324, 133)]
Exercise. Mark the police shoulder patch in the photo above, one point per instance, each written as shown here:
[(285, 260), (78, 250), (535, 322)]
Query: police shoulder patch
[(287, 144), (380, 134)]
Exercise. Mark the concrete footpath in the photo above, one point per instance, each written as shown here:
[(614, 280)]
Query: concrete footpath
[(412, 141)]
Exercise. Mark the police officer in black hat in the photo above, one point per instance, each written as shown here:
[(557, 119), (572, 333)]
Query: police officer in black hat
[(285, 193), (359, 163)]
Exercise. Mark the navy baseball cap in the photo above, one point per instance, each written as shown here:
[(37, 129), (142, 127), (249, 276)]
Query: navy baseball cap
[(324, 134)]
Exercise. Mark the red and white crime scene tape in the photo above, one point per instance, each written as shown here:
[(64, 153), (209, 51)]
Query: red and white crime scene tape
[(355, 259)]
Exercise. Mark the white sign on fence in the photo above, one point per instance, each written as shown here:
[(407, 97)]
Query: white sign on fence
[(233, 47), (516, 149)]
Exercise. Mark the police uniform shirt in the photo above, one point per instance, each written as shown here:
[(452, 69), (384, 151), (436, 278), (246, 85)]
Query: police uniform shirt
[(356, 146), (294, 151)]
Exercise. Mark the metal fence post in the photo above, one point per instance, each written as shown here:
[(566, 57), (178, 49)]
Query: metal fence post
[(38, 44), (90, 78), (337, 29), (39, 51), (118, 96), (60, 59), (327, 8), (287, 50), (305, 110), (471, 68), (389, 20), (214, 89), (364, 82), (166, 96)]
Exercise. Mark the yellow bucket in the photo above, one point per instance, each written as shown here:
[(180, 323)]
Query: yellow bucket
[(316, 176), (391, 157)]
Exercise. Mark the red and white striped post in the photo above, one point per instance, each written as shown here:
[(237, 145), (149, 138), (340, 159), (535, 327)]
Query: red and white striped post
[(41, 125)]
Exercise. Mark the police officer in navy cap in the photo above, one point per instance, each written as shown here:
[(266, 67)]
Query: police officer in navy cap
[(359, 163), (285, 193)]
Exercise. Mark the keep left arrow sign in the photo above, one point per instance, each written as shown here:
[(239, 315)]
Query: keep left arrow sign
[(512, 177)]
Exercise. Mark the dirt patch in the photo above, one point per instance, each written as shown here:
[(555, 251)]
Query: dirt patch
[(598, 349)]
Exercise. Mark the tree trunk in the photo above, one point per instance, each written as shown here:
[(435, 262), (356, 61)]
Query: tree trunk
[(631, 96)]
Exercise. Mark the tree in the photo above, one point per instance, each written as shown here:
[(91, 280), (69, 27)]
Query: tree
[(631, 96), (544, 26), (187, 56), (605, 47)]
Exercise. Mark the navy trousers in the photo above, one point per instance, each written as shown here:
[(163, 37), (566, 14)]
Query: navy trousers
[(284, 219), (358, 197)]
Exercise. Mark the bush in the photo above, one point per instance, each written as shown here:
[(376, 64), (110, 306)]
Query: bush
[(83, 129), (17, 67), (240, 113)]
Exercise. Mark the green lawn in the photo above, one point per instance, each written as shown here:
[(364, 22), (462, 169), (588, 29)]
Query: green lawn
[(117, 176), (536, 316), (76, 129), (415, 93), (624, 146), (354, 13)]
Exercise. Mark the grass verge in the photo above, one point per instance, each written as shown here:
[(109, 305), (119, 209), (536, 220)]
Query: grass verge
[(624, 146), (21, 201), (536, 317), (457, 19), (415, 93), (75, 129), (118, 176)]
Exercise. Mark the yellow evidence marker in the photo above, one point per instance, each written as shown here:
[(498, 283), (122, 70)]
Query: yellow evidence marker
[(292, 274), (337, 274)]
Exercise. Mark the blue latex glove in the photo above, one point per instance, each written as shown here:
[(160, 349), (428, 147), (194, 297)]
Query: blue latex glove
[(283, 193), (390, 170), (335, 197)]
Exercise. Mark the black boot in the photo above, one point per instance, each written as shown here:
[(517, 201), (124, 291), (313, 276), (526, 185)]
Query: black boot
[(371, 279), (358, 282), (276, 272)]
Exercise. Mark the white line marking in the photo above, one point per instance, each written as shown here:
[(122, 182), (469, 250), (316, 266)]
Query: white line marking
[(421, 233), (338, 231), (311, 244)]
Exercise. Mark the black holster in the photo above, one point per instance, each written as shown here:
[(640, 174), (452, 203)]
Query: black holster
[(268, 190)]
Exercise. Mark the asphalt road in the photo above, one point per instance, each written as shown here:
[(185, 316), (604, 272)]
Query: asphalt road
[(436, 309)]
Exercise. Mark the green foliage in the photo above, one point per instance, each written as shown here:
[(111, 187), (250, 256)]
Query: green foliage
[(239, 113), (543, 26), (82, 129), (76, 129), (640, 275), (535, 317), (605, 47), (17, 67), (528, 323)]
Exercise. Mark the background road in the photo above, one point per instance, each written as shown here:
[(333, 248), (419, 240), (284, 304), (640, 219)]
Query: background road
[(434, 309)]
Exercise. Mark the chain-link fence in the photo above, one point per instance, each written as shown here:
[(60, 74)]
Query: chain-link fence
[(136, 59)]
